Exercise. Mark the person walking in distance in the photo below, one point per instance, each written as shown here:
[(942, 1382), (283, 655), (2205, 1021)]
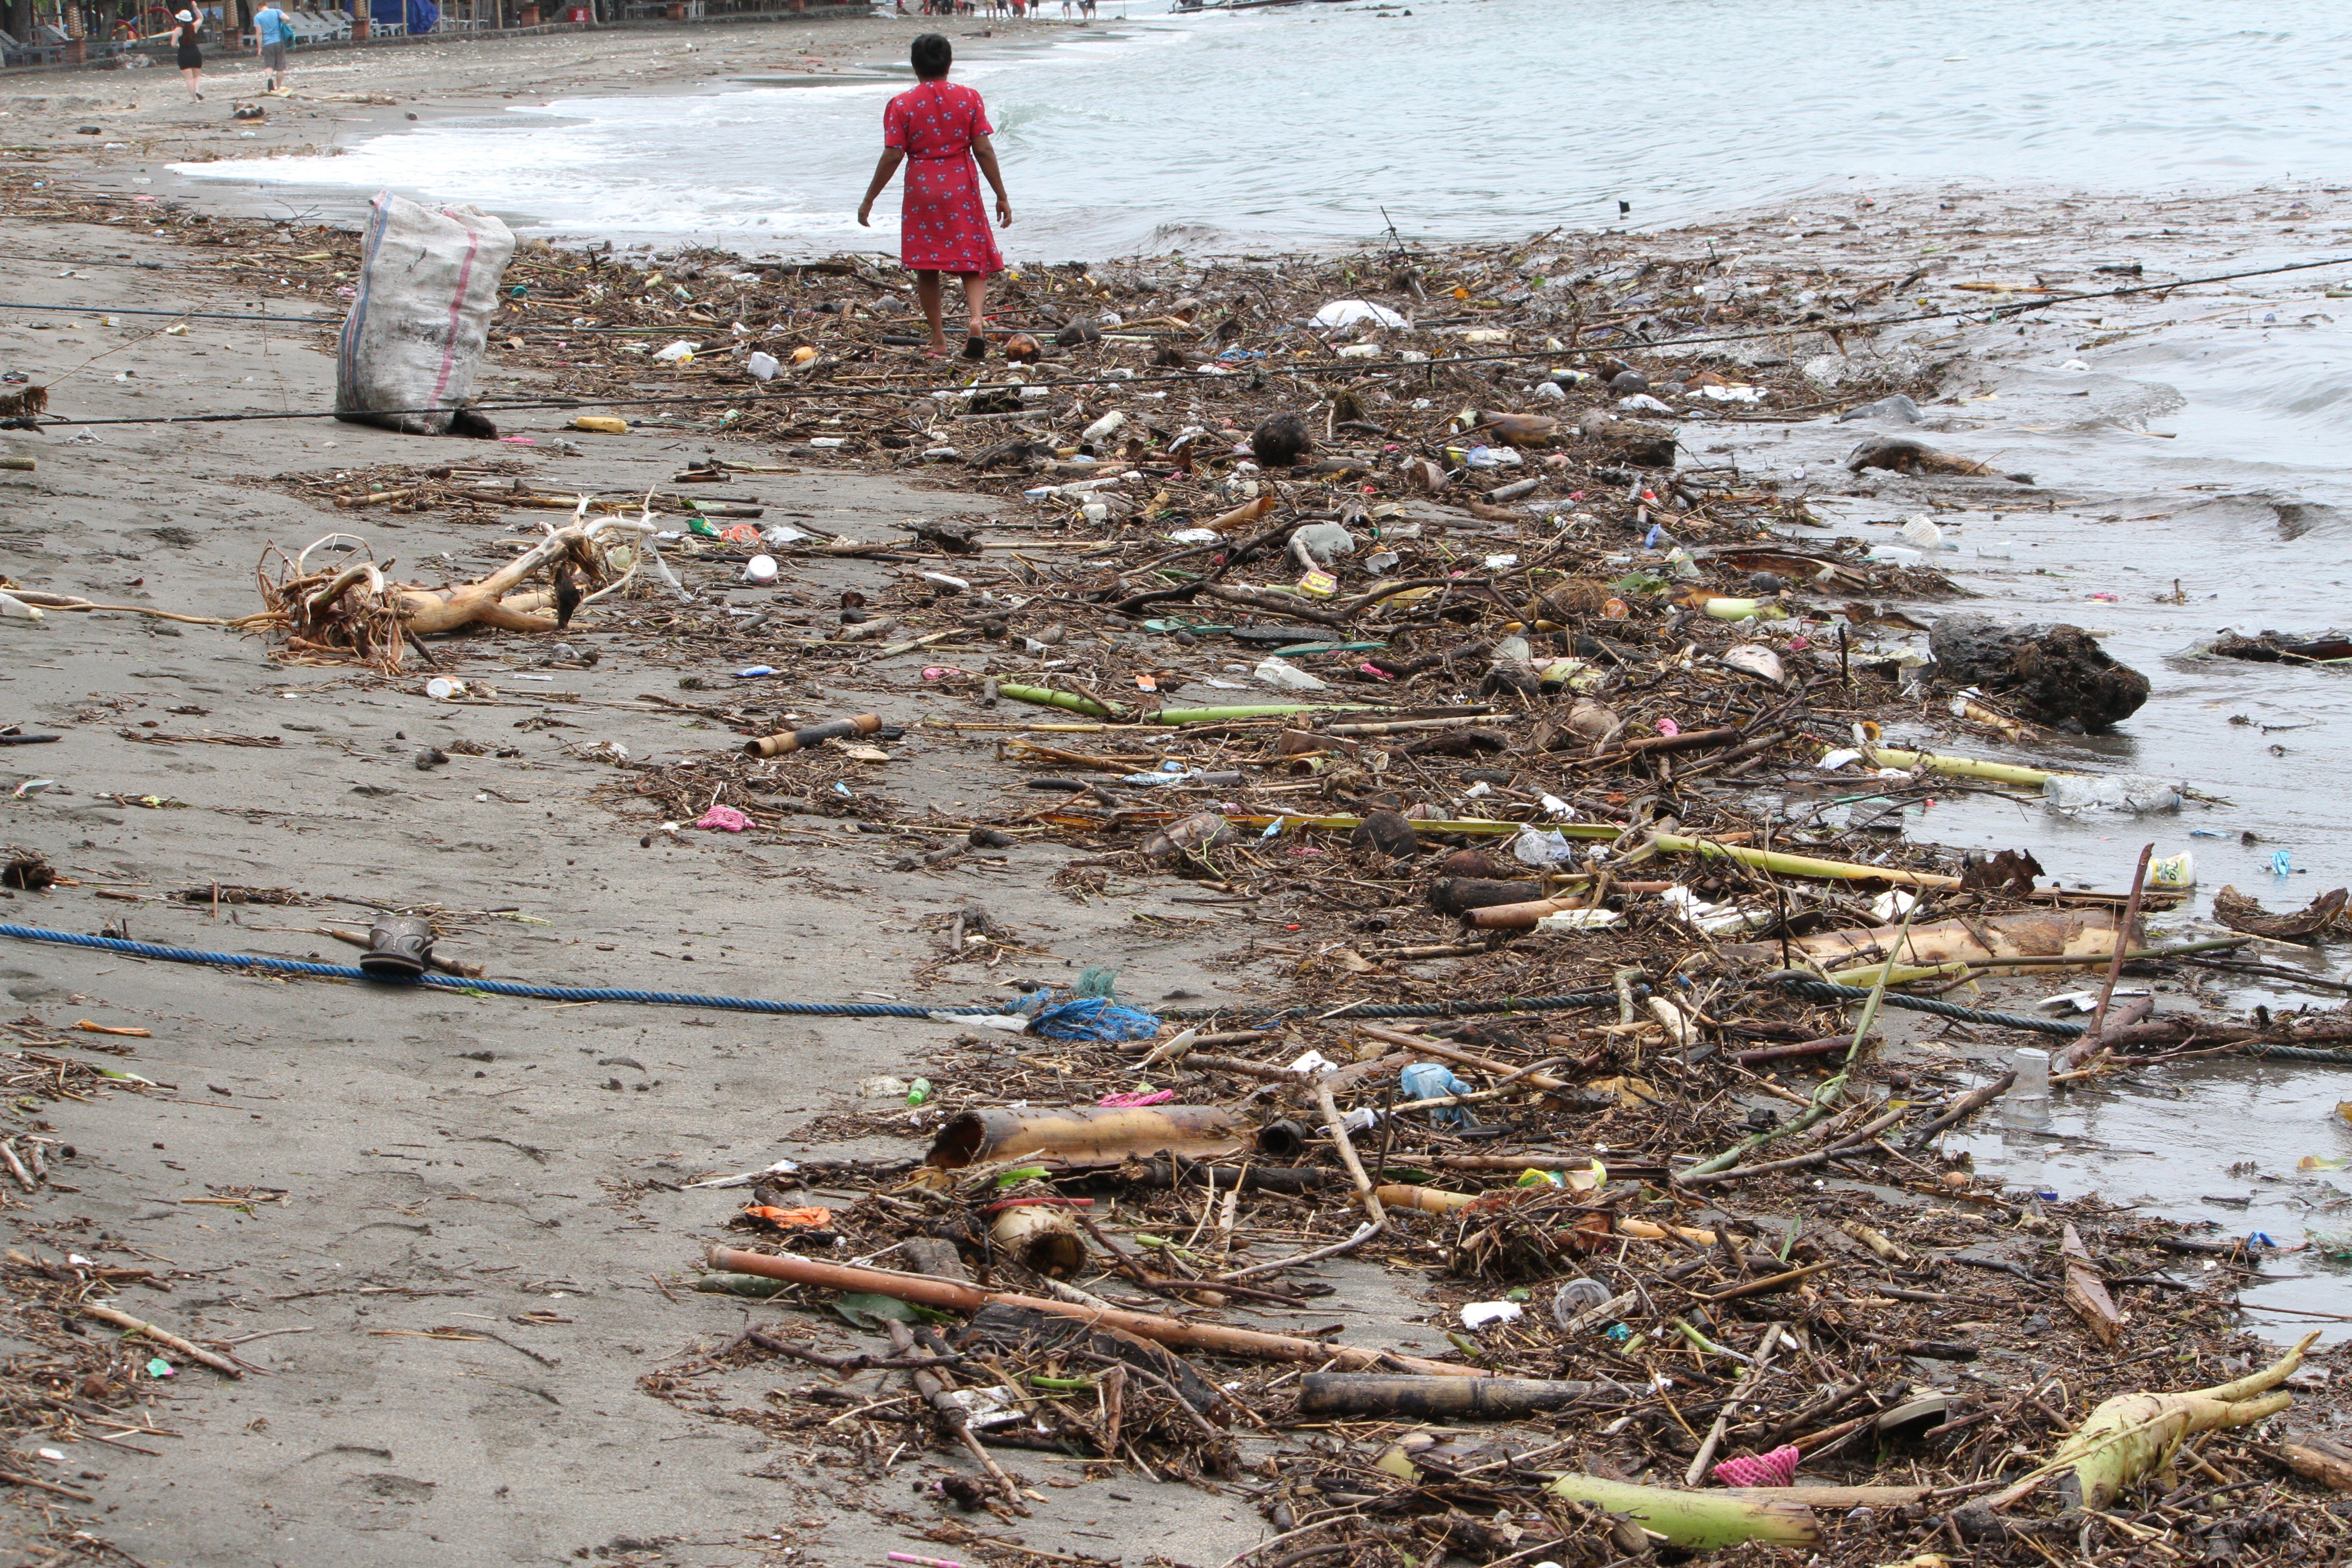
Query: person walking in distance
[(190, 59), (272, 36), (940, 131)]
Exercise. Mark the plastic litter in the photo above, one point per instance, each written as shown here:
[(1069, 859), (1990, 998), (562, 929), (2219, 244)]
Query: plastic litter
[(1281, 672), (1576, 1297), (1354, 313), (724, 819), (1565, 920), (2174, 871), (428, 286), (679, 352), (1435, 1081), (2133, 792), (1533, 847), (763, 365), (1476, 1315), (1777, 1468)]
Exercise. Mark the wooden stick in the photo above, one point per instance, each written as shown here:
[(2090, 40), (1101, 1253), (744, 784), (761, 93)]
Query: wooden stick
[(958, 1419), (1445, 1052), (15, 1480), (105, 1314), (951, 1295), (2123, 940), (1966, 1105), (1770, 1282), (1846, 1145)]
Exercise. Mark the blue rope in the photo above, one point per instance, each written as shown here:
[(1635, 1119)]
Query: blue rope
[(490, 987), (733, 1003)]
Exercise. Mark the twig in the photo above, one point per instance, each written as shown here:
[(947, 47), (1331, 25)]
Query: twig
[(219, 1363)]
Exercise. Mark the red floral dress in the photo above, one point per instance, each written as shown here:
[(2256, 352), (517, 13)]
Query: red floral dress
[(942, 225)]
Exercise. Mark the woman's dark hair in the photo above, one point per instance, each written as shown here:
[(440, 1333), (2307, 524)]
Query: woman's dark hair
[(931, 55)]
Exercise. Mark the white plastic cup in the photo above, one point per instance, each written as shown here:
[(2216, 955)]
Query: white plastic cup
[(761, 569), (2032, 1066)]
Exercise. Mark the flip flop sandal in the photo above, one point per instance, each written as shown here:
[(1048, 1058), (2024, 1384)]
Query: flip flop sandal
[(975, 348)]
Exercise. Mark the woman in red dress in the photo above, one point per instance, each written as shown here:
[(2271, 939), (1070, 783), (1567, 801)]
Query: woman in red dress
[(937, 132)]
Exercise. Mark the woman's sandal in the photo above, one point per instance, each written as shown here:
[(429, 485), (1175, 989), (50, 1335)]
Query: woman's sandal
[(975, 347)]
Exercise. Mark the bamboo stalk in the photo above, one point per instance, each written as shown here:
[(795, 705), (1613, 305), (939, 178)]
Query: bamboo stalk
[(1967, 767)]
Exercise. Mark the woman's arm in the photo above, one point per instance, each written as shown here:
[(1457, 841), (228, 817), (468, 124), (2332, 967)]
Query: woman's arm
[(891, 158), (985, 151)]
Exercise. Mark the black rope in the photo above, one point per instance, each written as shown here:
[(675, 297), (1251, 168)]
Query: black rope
[(1823, 991)]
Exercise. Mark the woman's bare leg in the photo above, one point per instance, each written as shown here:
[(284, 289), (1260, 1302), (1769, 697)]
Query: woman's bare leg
[(926, 294), (192, 77), (975, 300)]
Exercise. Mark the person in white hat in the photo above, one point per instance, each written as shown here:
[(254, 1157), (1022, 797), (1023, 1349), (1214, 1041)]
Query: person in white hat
[(191, 59)]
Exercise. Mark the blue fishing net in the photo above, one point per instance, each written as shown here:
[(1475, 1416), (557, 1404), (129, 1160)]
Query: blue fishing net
[(1093, 1018)]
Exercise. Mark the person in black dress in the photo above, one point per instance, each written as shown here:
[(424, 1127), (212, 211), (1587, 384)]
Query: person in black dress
[(191, 59)]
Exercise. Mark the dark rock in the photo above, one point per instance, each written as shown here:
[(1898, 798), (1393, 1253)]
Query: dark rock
[(1901, 455), (952, 538), (1388, 832), (1079, 333), (2056, 674), (1630, 440), (1280, 441), (1460, 895), (1625, 382)]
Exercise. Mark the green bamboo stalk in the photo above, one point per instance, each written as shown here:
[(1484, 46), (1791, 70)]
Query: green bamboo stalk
[(1046, 696), (1696, 1520), (1967, 767)]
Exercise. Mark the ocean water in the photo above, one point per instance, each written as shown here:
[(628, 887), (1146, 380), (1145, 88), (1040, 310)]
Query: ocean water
[(1320, 123)]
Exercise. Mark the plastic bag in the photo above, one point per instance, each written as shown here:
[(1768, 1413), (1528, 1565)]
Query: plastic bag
[(1348, 312), (1531, 848), (428, 284), (2133, 792)]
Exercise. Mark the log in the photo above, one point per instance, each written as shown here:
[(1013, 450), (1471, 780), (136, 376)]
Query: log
[(951, 1296), (2321, 1459), (2083, 937), (1084, 1135), (2085, 1293), (1395, 1398), (1901, 455), (1461, 895)]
